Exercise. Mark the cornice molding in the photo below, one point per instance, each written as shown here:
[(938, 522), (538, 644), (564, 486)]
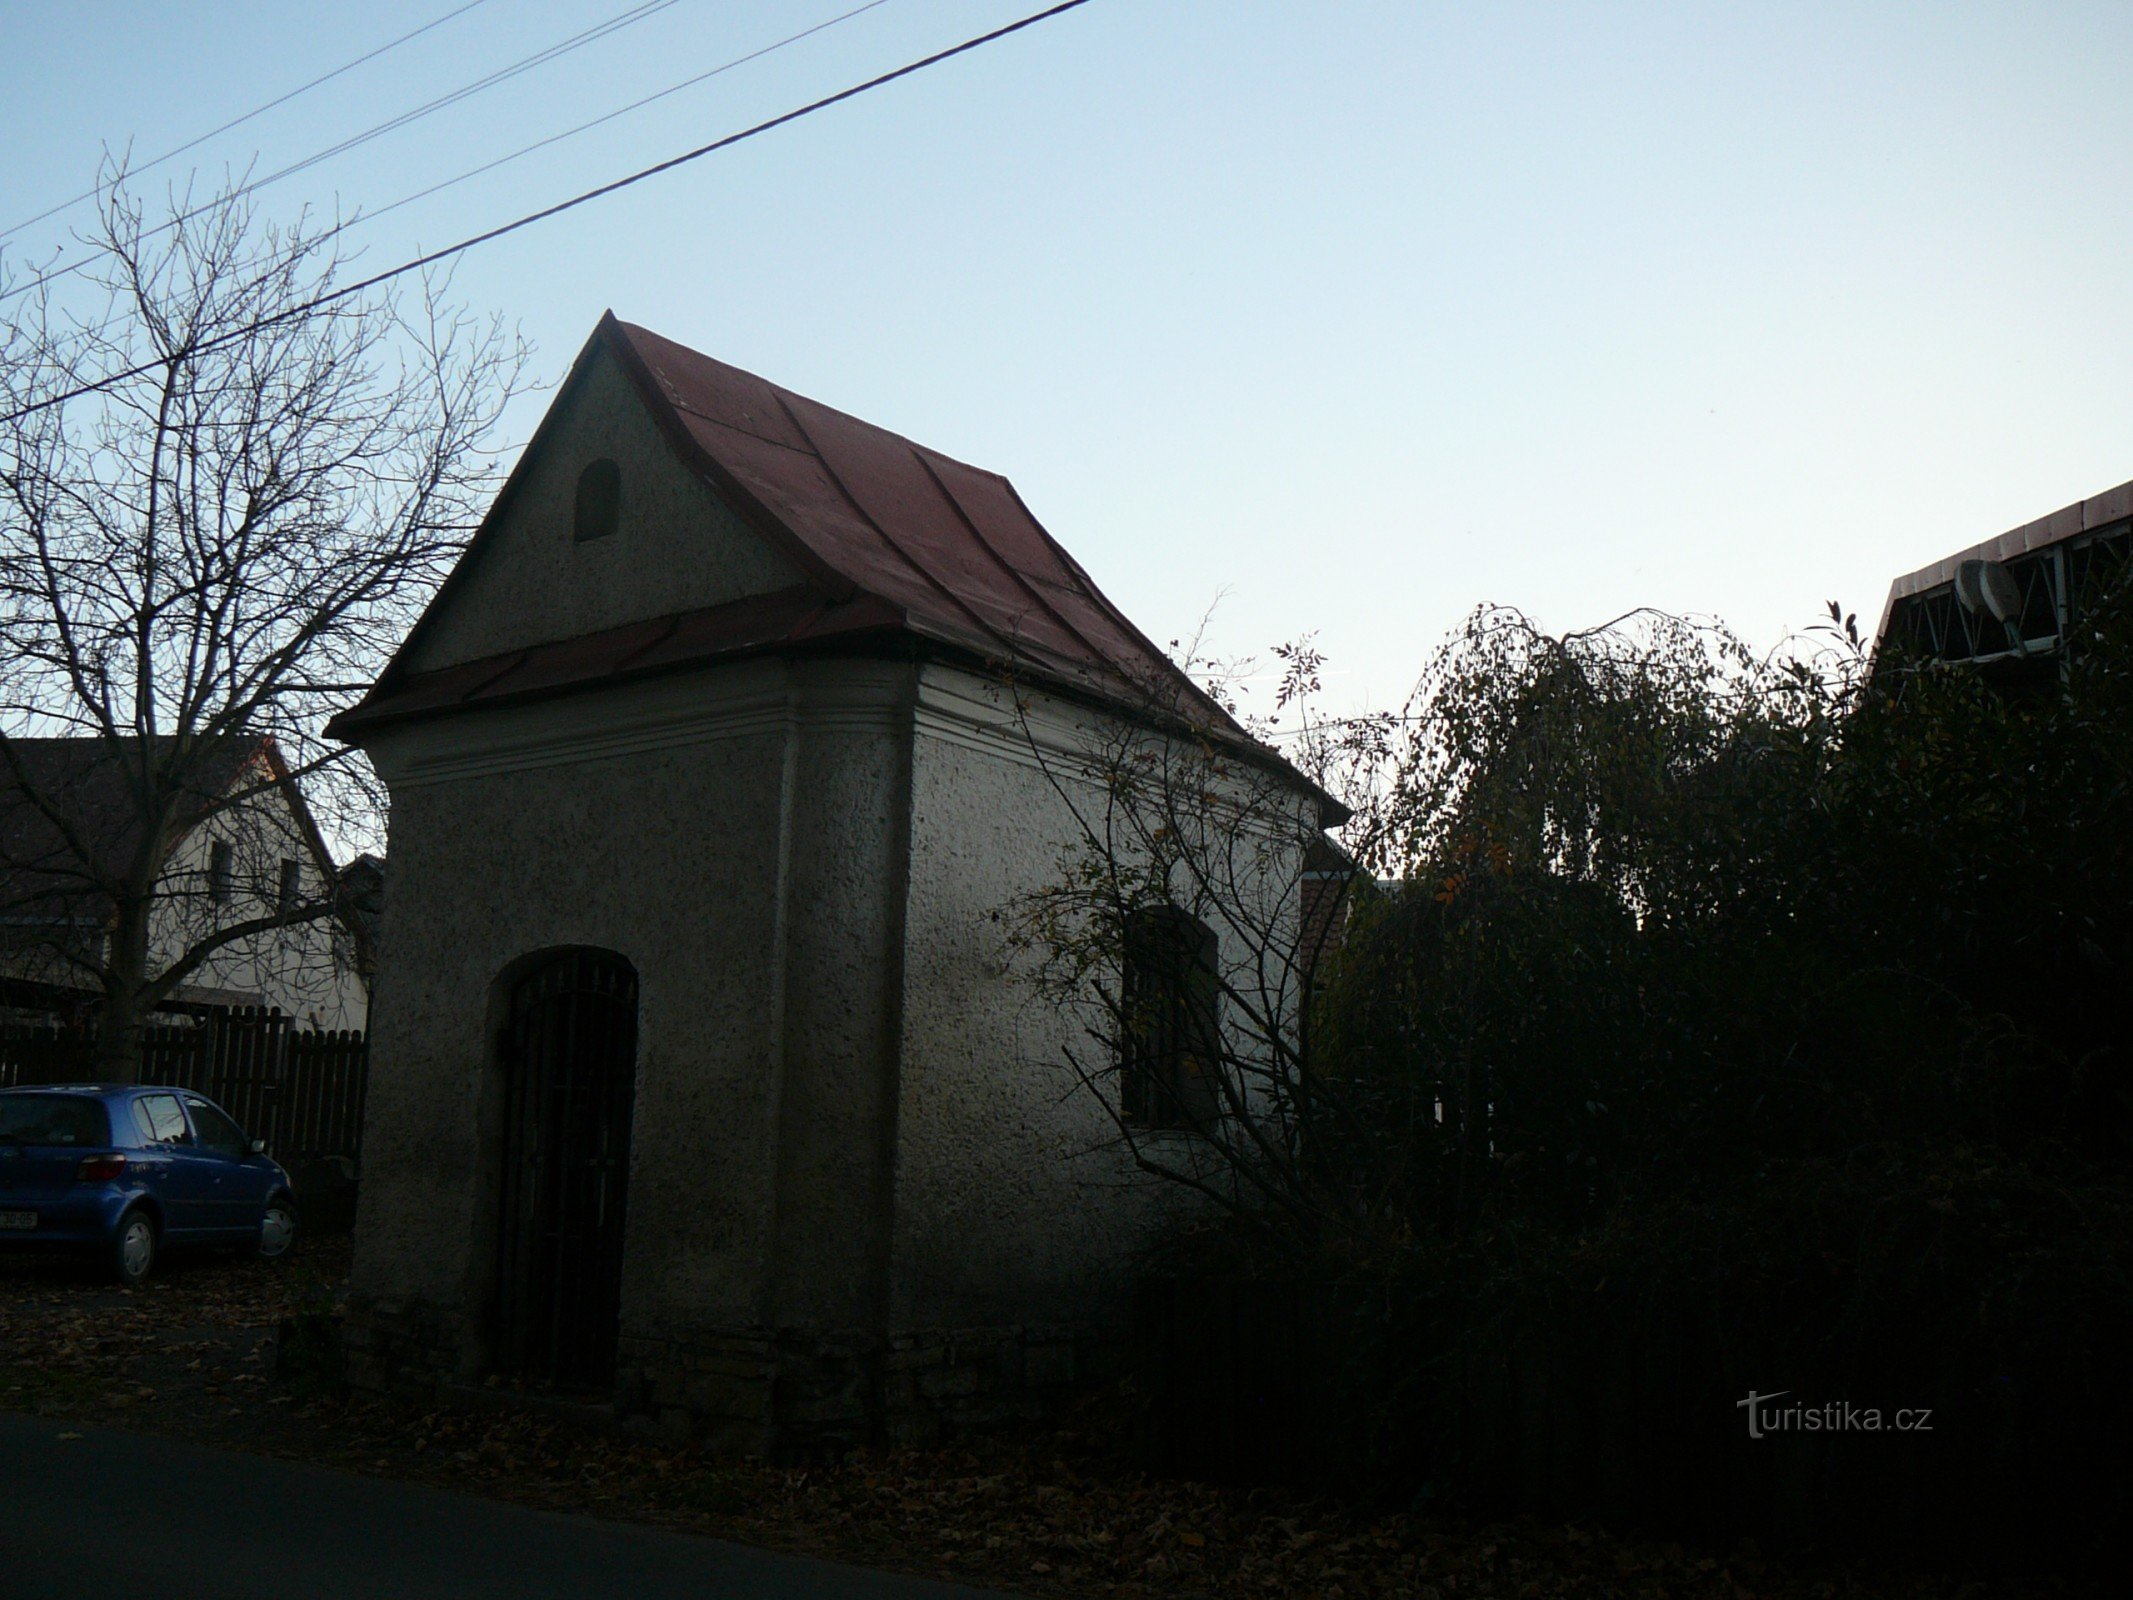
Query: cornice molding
[(735, 702)]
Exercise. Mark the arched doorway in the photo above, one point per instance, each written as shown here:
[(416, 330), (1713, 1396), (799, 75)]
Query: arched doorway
[(570, 1060)]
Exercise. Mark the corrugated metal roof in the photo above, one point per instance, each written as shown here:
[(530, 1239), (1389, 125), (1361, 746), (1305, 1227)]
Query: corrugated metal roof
[(892, 538)]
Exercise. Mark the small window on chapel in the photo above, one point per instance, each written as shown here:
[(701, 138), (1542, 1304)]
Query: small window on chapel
[(1170, 1050), (599, 500)]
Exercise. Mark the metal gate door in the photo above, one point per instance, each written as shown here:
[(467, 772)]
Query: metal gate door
[(570, 1077)]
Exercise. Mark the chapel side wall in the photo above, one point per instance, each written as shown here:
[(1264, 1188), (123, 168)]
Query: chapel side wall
[(1015, 1203), (667, 856)]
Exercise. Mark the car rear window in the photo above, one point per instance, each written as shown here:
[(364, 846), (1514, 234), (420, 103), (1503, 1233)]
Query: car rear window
[(53, 1119), (161, 1120)]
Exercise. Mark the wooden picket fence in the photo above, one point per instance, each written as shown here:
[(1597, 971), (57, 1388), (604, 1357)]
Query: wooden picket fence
[(300, 1091)]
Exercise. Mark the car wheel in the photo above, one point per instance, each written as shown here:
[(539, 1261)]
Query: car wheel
[(133, 1252), (277, 1229)]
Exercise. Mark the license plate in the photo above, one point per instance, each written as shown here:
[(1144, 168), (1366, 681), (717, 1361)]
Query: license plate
[(18, 1219)]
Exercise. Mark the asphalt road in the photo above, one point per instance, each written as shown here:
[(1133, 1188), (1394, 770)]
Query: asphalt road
[(127, 1513)]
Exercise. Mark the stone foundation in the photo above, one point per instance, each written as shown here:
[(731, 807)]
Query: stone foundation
[(749, 1392), (400, 1347), (789, 1394)]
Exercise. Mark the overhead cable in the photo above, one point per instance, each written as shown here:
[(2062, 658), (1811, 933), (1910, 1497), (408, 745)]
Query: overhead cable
[(577, 41), (620, 111), (257, 111), (430, 258), (310, 244)]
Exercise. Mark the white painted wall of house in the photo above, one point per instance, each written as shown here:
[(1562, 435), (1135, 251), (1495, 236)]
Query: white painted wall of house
[(306, 970), (850, 1113), (1016, 1197), (646, 824)]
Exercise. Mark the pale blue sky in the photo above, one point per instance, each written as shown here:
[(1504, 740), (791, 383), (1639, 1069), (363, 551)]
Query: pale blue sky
[(1360, 312)]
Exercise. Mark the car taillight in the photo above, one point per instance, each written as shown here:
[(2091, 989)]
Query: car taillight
[(99, 1169)]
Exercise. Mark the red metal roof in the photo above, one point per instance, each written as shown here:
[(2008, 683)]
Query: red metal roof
[(893, 538)]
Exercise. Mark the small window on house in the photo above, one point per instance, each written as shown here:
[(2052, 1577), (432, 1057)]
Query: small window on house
[(1170, 1039), (221, 860), (599, 501), (291, 889)]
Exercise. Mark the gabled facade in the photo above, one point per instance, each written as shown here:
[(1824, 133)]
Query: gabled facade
[(702, 1085), (247, 846)]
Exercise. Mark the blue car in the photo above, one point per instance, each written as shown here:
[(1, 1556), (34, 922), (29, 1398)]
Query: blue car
[(125, 1171)]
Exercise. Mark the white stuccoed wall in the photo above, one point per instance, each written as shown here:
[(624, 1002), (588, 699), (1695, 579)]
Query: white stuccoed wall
[(1015, 1201), (851, 1115), (306, 970), (729, 833)]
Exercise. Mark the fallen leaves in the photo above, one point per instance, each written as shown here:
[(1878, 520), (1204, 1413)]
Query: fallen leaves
[(1064, 1513)]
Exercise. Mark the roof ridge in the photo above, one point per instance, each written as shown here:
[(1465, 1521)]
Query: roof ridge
[(783, 392)]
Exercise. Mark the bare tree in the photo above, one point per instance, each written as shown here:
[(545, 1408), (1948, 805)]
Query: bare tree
[(1540, 810), (201, 557), (1185, 925)]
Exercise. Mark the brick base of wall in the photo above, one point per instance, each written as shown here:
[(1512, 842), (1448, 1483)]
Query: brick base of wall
[(750, 1392)]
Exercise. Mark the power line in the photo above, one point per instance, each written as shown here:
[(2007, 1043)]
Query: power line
[(621, 111), (432, 257), (334, 232), (311, 244), (577, 41), (256, 111)]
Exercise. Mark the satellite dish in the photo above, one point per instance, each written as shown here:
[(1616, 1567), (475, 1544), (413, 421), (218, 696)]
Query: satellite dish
[(1989, 587)]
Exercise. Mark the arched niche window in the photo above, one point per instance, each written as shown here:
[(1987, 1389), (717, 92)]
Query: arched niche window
[(599, 501), (1170, 1022)]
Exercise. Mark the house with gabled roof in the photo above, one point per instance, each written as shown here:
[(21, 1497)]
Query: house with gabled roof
[(240, 848), (701, 1085)]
